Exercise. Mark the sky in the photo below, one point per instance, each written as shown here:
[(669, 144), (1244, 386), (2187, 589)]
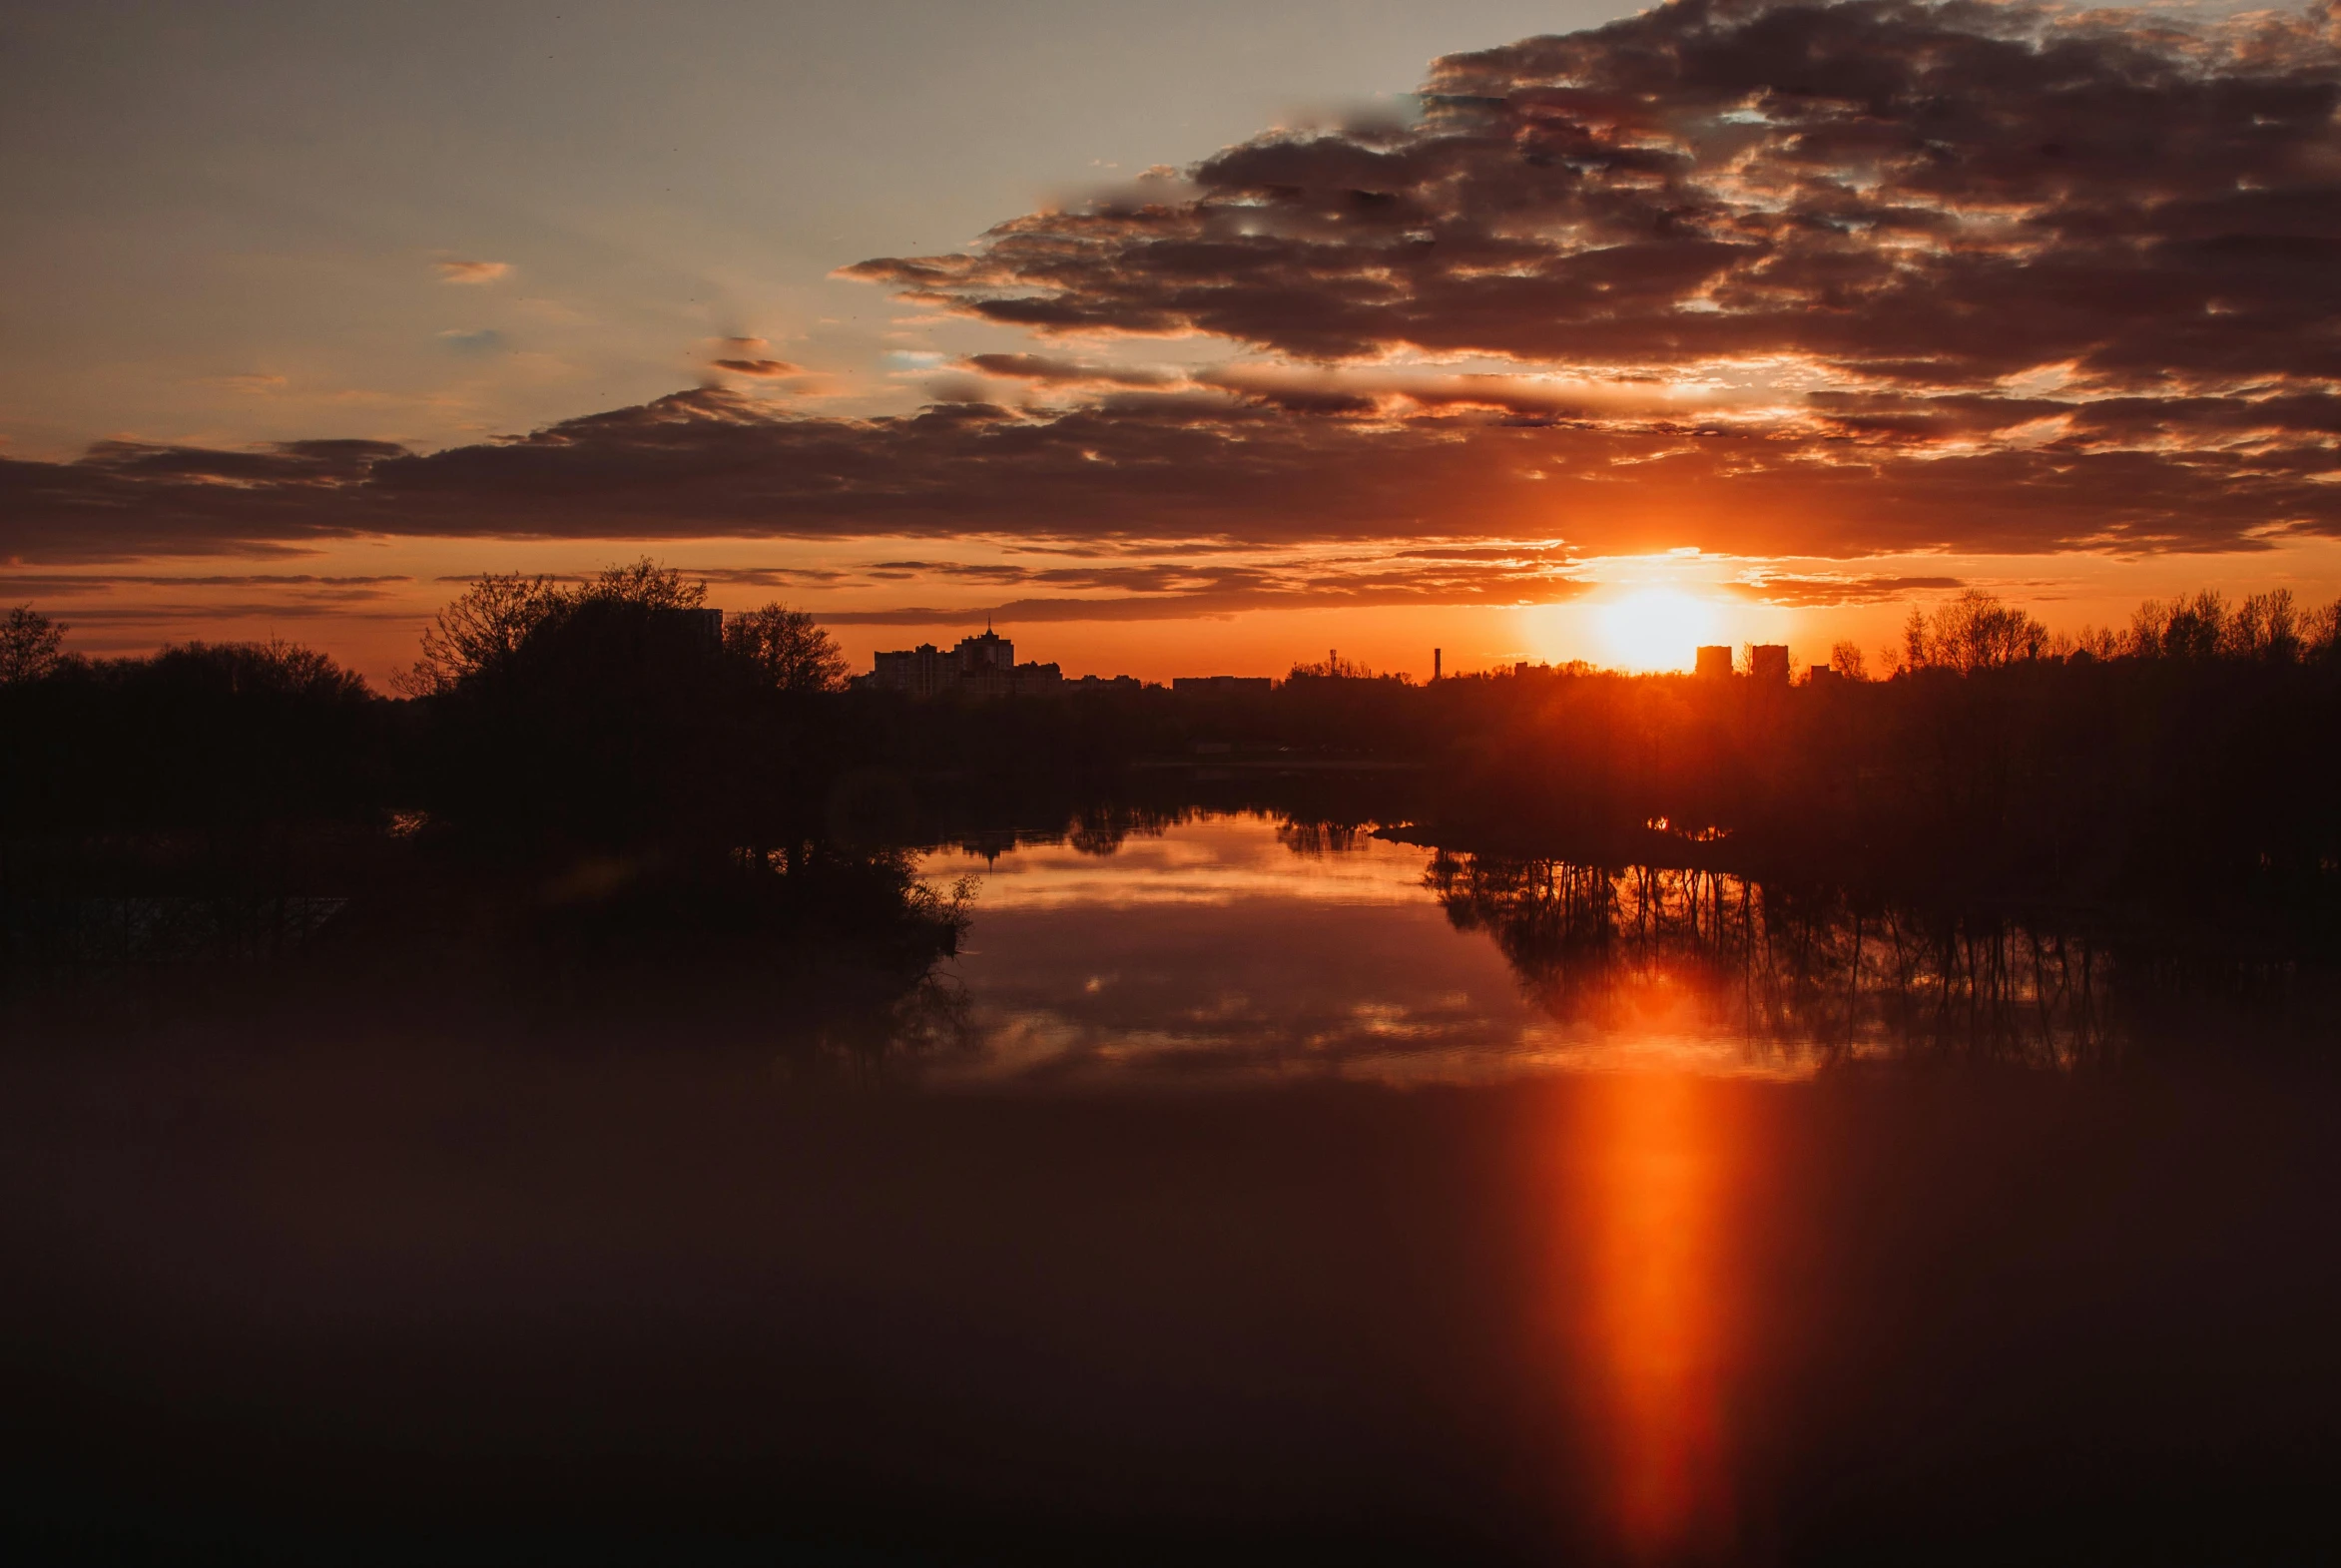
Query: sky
[(1170, 341)]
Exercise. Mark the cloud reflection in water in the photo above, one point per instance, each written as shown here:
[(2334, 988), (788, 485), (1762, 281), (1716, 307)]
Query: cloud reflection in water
[(1226, 949)]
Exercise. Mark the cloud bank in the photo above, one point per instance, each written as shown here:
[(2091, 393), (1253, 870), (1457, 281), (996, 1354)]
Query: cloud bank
[(1167, 467), (1923, 196), (1817, 281)]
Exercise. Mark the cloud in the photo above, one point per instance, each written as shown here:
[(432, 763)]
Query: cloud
[(1830, 589), (177, 615), (481, 340), (1172, 592), (721, 576), (53, 582), (85, 600), (759, 367), (457, 272), (1189, 467), (1046, 370), (1929, 196)]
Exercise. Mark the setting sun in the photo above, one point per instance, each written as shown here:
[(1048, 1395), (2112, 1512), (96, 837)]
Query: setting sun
[(1655, 628)]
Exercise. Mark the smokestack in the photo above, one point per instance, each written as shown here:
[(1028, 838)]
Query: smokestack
[(1435, 664)]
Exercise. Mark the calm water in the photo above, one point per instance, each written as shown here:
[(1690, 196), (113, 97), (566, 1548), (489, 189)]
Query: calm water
[(1274, 1196), (1233, 949)]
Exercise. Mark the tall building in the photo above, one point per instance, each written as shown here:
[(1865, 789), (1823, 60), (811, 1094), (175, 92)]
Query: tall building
[(1769, 664), (983, 666), (1715, 663), (924, 671), (988, 652)]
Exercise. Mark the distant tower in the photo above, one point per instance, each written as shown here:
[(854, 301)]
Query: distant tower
[(1769, 664), (1435, 664), (1715, 663), (988, 652)]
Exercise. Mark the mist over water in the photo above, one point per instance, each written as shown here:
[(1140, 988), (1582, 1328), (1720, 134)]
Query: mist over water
[(1228, 1183)]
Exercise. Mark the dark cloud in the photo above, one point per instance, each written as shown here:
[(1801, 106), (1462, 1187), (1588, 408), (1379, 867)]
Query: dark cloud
[(765, 368), (1203, 467), (182, 613), (1047, 371), (54, 582), (767, 577), (1942, 195), (721, 576), (1169, 591), (127, 599), (1477, 552), (1826, 588)]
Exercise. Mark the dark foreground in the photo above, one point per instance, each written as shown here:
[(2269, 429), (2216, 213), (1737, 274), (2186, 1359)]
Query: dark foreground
[(367, 1299)]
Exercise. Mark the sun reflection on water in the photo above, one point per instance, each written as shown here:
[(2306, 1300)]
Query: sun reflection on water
[(1656, 1155)]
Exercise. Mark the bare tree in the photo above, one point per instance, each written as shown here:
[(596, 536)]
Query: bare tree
[(787, 652), (646, 583), (479, 631), (31, 645), (1974, 631), (2264, 626), (485, 624), (2192, 628), (1845, 660), (2320, 632), (1335, 667)]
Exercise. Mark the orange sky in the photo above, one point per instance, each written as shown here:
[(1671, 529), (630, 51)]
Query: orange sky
[(1695, 326), (1638, 612)]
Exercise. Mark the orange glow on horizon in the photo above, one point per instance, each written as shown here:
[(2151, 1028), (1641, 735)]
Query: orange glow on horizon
[(1654, 628)]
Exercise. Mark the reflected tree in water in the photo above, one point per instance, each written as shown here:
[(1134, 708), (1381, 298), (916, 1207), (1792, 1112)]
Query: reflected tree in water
[(1316, 839), (1807, 972)]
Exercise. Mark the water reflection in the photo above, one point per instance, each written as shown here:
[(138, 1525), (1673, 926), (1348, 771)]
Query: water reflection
[(1207, 950), (1654, 1159), (1250, 946), (527, 1238), (1658, 951)]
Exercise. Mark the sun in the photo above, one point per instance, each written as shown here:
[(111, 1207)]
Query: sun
[(1655, 628)]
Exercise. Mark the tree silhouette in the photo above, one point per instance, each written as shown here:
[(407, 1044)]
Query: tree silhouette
[(1333, 668), (787, 652), (1974, 631), (31, 646), (478, 633)]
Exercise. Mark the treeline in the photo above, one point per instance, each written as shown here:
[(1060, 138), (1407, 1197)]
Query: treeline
[(594, 709), (2191, 764), (218, 735), (2191, 760), (574, 783)]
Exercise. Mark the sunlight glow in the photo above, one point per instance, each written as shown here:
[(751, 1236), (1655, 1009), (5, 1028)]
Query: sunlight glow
[(1655, 628)]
